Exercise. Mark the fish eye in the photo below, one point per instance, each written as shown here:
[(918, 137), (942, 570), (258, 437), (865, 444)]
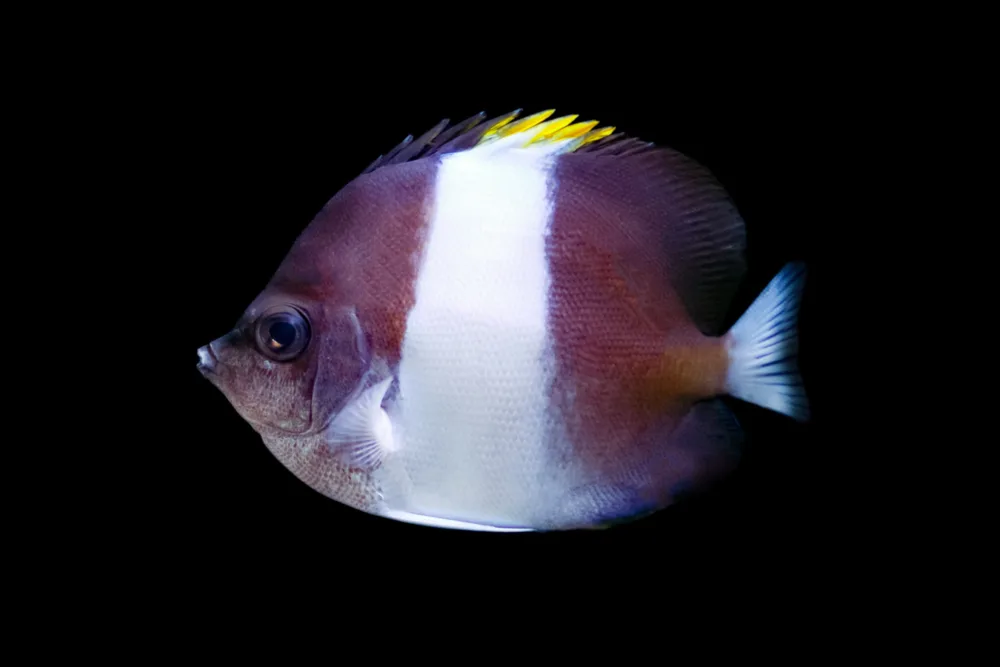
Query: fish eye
[(282, 334)]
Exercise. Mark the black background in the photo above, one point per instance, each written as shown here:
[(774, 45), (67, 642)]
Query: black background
[(246, 151)]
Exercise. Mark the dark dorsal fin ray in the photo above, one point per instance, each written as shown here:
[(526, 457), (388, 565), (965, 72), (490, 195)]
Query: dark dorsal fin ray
[(442, 139), (383, 160), (459, 128), (470, 137), (417, 147), (408, 149), (622, 145)]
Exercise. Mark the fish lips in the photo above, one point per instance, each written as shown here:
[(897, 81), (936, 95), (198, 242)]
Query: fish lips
[(208, 363)]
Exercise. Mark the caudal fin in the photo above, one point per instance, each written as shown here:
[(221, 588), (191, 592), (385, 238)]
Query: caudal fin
[(763, 347)]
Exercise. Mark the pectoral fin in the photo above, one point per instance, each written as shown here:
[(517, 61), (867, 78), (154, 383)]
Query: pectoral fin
[(361, 432)]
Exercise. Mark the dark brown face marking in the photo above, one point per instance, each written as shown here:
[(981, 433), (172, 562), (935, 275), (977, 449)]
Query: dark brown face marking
[(351, 273)]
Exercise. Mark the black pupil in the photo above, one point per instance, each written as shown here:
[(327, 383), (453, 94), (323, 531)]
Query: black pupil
[(282, 333)]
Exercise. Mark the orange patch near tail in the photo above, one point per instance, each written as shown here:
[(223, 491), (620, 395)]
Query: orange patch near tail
[(686, 372)]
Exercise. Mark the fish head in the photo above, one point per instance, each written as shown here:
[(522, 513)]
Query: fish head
[(288, 367), (326, 330), (288, 363)]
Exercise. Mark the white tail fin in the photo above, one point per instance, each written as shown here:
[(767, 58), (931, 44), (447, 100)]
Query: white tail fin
[(764, 342)]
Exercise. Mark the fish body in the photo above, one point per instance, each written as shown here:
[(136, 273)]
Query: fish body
[(513, 325)]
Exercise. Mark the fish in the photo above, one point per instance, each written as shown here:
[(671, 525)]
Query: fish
[(514, 324)]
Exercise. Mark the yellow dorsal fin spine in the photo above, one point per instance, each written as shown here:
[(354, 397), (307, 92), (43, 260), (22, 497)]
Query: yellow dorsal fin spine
[(525, 123), (499, 124), (597, 134), (575, 130), (549, 128), (538, 129)]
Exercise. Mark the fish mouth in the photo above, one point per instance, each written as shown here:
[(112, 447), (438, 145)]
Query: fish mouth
[(207, 361)]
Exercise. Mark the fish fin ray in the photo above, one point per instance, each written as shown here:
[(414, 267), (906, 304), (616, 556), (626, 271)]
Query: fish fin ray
[(442, 138), (763, 362), (361, 433)]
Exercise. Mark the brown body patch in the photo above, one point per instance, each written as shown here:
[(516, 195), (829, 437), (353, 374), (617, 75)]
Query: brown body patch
[(631, 359), (363, 250)]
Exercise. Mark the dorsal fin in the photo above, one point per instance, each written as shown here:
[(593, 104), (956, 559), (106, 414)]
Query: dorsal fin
[(538, 129), (664, 201)]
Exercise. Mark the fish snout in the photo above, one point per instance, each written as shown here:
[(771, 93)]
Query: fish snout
[(207, 361)]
